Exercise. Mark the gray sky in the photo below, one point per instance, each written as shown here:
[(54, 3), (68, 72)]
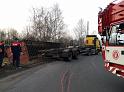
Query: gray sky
[(15, 13)]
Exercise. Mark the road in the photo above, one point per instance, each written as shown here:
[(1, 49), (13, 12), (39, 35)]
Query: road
[(86, 74)]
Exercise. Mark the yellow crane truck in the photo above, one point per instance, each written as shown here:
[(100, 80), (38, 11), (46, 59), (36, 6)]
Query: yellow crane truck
[(91, 45)]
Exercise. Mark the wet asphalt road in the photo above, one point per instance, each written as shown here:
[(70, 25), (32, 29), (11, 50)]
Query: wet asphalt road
[(86, 74)]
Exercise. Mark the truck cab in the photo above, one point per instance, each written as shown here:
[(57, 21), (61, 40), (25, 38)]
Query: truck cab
[(91, 45), (93, 42)]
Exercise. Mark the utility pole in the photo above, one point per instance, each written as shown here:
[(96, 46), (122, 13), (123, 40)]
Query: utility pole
[(87, 33)]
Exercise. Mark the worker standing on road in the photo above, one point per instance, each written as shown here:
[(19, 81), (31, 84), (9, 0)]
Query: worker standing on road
[(1, 52), (16, 51)]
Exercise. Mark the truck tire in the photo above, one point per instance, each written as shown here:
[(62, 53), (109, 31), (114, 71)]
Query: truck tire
[(89, 53), (69, 58), (75, 55)]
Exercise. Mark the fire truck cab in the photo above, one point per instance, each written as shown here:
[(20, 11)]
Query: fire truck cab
[(111, 29)]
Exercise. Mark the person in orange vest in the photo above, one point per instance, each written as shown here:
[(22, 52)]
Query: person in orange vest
[(16, 51), (1, 52)]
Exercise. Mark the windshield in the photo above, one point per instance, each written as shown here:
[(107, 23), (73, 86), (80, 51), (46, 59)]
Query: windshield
[(117, 35)]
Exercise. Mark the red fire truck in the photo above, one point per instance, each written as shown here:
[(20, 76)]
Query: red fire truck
[(111, 29)]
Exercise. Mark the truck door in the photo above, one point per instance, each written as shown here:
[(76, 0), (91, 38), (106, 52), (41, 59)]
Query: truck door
[(115, 54)]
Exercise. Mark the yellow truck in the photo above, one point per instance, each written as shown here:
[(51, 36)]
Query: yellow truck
[(91, 45)]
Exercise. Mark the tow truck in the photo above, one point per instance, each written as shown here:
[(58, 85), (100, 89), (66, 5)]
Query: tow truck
[(111, 30)]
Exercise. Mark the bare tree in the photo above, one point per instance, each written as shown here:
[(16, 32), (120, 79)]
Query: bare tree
[(7, 35), (56, 22), (2, 34), (66, 39), (12, 33), (80, 31), (47, 24), (40, 24), (27, 34)]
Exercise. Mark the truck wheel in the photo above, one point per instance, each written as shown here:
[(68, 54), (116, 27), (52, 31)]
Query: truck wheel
[(69, 58), (89, 53), (75, 56)]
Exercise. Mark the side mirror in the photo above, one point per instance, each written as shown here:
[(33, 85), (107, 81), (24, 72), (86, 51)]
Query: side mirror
[(120, 38)]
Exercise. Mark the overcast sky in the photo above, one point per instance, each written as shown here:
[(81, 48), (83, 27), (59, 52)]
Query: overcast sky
[(15, 13)]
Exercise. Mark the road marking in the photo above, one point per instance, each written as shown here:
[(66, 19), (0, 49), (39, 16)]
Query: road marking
[(66, 81), (62, 80), (69, 83)]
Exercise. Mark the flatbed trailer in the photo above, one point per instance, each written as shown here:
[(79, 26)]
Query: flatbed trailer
[(66, 53)]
